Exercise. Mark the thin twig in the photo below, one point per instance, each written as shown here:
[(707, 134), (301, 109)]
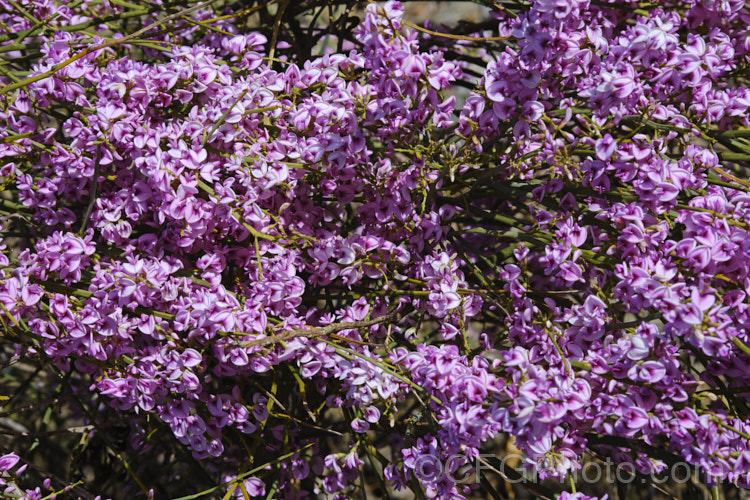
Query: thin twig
[(513, 475), (94, 189), (276, 27), (317, 332), (731, 177), (456, 37), (77, 489)]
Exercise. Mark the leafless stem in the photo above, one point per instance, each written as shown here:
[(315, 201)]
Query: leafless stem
[(318, 332)]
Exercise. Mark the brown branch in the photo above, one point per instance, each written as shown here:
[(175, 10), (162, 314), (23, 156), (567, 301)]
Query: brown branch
[(455, 37), (276, 26), (317, 332), (731, 177)]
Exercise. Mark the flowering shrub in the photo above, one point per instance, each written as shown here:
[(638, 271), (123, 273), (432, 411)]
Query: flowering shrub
[(255, 253)]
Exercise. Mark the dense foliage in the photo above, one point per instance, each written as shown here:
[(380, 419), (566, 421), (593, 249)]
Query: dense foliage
[(282, 249)]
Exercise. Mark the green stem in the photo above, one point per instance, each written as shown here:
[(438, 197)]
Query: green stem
[(94, 188), (16, 137), (244, 475), (745, 132), (734, 157), (725, 425), (581, 365), (741, 345), (14, 206), (224, 117)]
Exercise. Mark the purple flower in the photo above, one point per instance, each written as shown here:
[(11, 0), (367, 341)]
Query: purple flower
[(553, 249), (255, 487), (360, 426), (650, 372), (372, 414), (8, 461)]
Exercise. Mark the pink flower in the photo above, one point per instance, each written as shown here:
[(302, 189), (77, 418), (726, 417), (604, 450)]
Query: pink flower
[(8, 461)]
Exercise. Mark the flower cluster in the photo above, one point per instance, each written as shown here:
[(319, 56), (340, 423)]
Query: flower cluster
[(297, 257)]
